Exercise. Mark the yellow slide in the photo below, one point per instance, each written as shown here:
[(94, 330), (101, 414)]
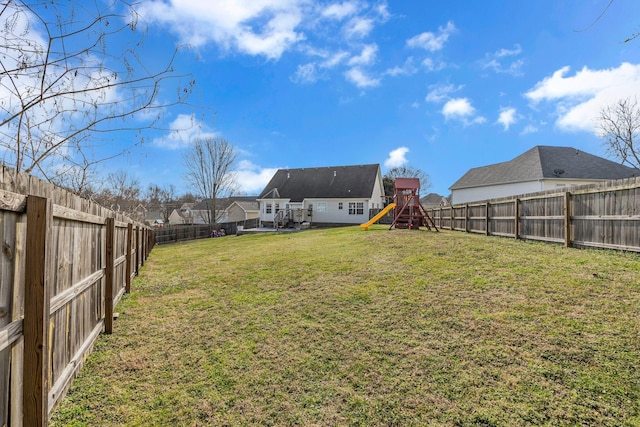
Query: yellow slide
[(382, 213)]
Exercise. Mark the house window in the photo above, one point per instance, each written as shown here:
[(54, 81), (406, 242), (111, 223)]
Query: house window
[(268, 208), (356, 208), (322, 207), (340, 205), (277, 207)]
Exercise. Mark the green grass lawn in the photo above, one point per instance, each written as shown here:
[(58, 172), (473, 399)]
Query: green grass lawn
[(376, 328)]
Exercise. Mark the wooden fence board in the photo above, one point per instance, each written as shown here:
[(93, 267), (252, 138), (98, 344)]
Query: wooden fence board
[(604, 216), (36, 316), (52, 256)]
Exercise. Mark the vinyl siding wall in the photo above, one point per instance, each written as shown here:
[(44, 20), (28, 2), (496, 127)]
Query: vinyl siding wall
[(467, 195), (324, 210)]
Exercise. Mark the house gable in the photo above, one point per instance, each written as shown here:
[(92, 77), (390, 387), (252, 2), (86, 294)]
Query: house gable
[(546, 162), (538, 169), (327, 195), (335, 182)]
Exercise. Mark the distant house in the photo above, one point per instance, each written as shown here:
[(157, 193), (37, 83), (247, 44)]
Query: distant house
[(185, 216), (434, 200), (242, 208), (539, 169), (323, 195), (154, 218)]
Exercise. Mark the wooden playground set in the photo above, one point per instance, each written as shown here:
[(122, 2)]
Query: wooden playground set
[(407, 210)]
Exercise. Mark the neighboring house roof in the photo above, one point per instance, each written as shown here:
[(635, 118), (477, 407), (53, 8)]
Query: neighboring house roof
[(152, 215), (545, 162), (248, 206), (224, 202), (185, 213), (433, 199), (333, 182)]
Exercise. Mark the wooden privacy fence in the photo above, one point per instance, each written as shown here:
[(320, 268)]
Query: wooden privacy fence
[(65, 264), (605, 216), (179, 233)]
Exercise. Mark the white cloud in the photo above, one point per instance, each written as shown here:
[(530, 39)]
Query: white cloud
[(397, 158), (458, 107), (407, 69), (580, 98), (335, 59), (366, 57), (383, 11), (256, 27), (182, 131), (360, 78), (251, 178), (461, 109), (517, 50), (340, 11), (439, 93), (495, 61), (359, 27), (507, 117), (529, 129), (432, 41), (430, 65), (306, 73)]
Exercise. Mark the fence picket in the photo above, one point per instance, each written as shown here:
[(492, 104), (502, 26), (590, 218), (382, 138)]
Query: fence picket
[(597, 216), (53, 264)]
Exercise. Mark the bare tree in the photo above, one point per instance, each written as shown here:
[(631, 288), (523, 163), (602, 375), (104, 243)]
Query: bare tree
[(404, 172), (619, 125), (121, 193), (161, 199), (69, 72), (209, 163)]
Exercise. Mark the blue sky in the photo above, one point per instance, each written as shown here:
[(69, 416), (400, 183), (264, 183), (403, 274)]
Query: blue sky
[(439, 86)]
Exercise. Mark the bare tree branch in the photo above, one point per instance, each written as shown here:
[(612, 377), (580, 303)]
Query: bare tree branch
[(619, 125), (62, 82)]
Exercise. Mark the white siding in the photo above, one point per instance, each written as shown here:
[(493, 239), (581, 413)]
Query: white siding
[(335, 215), (467, 195), (377, 200), (264, 204), (552, 184)]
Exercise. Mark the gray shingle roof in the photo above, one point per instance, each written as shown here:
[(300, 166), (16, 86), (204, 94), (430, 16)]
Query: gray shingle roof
[(223, 202), (248, 205), (546, 162), (338, 182)]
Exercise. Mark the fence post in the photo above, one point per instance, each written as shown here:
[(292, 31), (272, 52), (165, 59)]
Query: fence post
[(137, 250), (516, 231), (109, 275), (567, 219), (127, 284), (486, 219), (466, 218), (143, 255), (35, 394)]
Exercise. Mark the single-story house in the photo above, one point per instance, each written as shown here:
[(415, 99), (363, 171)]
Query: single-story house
[(200, 213), (322, 195), (539, 169)]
